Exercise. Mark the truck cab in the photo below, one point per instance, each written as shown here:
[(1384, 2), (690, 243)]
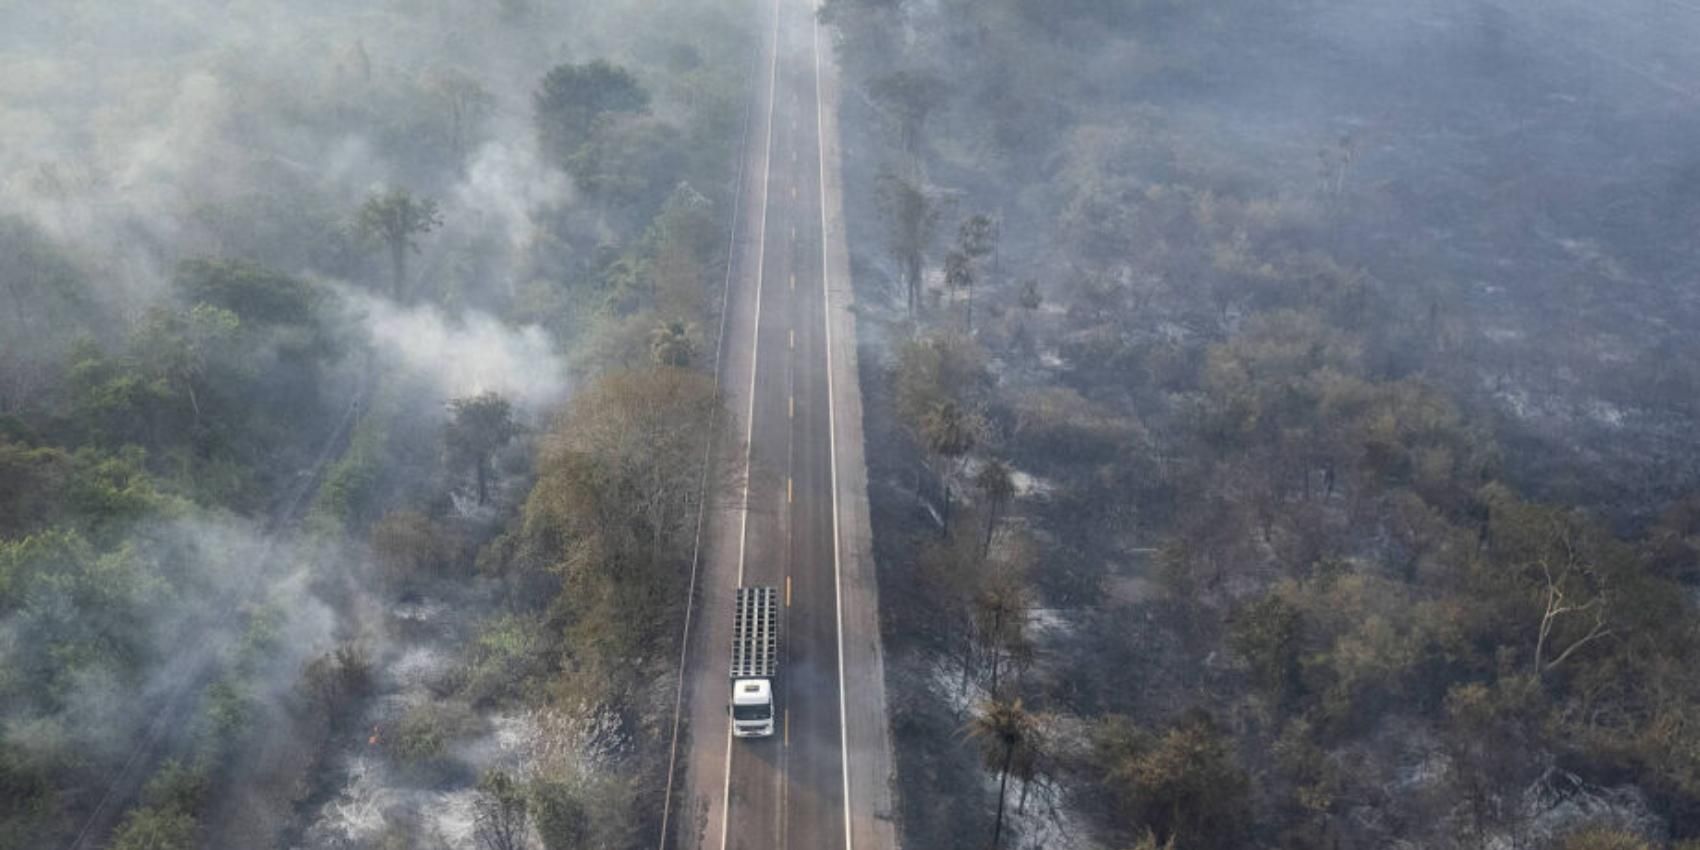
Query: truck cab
[(752, 708)]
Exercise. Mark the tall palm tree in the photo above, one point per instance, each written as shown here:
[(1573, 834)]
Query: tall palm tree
[(950, 433), (1006, 732)]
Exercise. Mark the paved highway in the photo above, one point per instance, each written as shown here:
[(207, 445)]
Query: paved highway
[(797, 519)]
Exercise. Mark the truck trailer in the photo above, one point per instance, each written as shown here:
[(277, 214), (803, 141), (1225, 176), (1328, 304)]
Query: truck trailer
[(755, 661)]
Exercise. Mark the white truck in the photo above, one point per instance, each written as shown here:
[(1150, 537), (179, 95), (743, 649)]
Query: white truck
[(755, 661)]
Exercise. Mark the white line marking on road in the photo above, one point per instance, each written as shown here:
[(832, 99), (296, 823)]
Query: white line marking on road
[(791, 339), (702, 487), (755, 358), (832, 439)]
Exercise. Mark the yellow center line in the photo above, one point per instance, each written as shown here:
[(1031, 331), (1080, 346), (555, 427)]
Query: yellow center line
[(787, 591), (787, 727), (787, 489)]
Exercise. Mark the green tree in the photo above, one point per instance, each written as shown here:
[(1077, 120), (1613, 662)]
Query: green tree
[(182, 349), (31, 483), (254, 294), (619, 479), (1006, 732), (396, 219), (156, 828), (571, 100), (1182, 785), (1267, 633), (44, 291), (478, 426), (562, 819), (630, 167), (500, 816), (671, 344), (934, 368)]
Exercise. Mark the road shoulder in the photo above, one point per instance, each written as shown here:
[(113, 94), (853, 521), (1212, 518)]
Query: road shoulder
[(869, 771)]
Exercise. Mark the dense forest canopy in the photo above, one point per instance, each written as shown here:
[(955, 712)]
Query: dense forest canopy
[(297, 305)]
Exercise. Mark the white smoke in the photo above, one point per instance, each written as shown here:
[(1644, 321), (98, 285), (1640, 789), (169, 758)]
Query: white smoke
[(466, 354), (505, 184)]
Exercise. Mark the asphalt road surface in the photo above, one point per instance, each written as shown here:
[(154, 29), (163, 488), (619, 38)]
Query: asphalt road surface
[(797, 517)]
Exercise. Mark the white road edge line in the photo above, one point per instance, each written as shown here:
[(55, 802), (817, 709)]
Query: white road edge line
[(702, 487), (755, 358), (832, 435)]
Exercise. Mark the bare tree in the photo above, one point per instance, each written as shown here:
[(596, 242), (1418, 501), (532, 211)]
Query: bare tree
[(1574, 591), (997, 487), (912, 218), (1001, 608)]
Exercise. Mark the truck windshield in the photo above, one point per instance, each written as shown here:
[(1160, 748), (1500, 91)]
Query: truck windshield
[(751, 712)]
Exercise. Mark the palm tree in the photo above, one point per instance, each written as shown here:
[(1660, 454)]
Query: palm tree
[(997, 486), (950, 433), (1006, 732)]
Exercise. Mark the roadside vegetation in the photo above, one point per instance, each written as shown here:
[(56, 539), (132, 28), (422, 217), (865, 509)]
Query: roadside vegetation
[(1245, 471), (366, 522)]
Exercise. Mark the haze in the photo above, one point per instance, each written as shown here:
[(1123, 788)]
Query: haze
[(1161, 424)]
